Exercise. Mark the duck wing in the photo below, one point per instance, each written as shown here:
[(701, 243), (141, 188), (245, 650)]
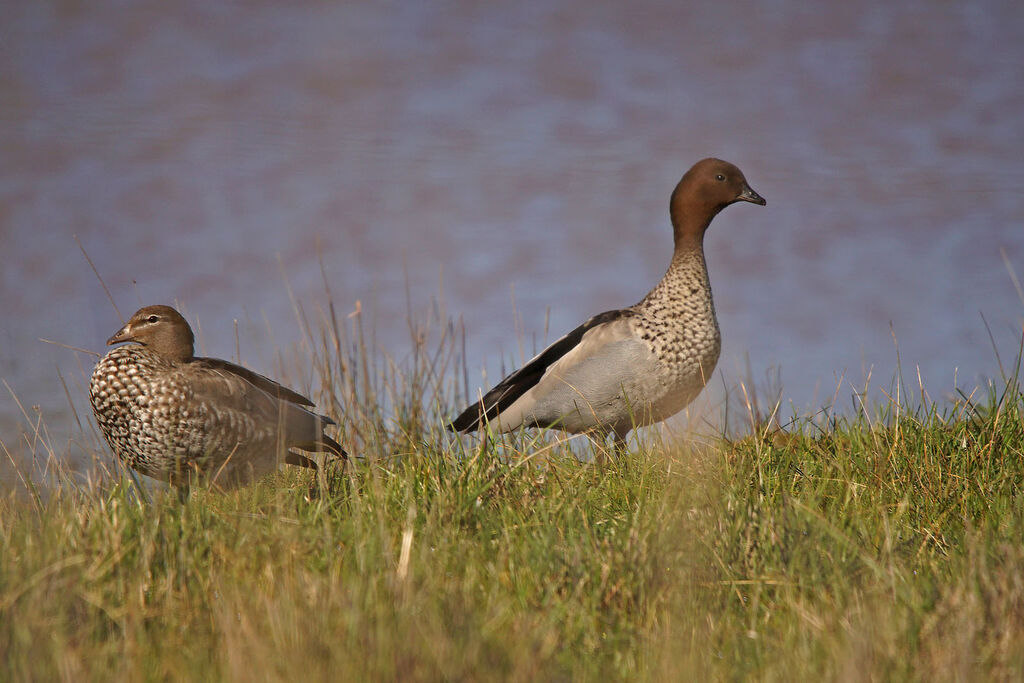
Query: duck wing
[(505, 393), (246, 406), (254, 378)]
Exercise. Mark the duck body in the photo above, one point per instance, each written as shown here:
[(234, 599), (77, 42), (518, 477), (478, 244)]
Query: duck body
[(172, 416), (635, 366)]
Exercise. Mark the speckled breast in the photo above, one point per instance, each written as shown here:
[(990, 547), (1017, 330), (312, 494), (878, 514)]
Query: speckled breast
[(142, 411), (686, 358), (678, 320)]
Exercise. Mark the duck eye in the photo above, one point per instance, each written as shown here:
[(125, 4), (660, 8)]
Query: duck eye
[(720, 178), (152, 319)]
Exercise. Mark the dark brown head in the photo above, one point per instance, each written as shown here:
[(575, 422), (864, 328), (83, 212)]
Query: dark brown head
[(707, 188), (160, 329)]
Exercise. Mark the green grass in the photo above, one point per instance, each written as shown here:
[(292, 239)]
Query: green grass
[(885, 548), (886, 545), (510, 571)]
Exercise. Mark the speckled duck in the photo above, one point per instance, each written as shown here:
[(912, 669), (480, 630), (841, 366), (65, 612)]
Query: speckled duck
[(172, 416)]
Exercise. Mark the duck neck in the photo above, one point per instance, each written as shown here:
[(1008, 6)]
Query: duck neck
[(686, 280), (688, 242)]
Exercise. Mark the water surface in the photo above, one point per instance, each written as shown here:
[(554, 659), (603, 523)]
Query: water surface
[(209, 154)]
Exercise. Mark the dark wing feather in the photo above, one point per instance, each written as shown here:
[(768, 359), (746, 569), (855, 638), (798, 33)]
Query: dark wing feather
[(300, 460), (325, 443), (522, 380)]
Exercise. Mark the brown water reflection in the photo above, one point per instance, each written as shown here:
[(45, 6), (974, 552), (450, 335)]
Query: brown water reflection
[(198, 149)]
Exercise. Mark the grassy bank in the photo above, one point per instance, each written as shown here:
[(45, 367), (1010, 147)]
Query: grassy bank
[(887, 545)]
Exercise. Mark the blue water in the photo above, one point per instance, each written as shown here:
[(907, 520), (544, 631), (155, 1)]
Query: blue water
[(210, 155)]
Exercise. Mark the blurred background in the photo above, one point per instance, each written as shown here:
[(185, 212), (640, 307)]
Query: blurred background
[(513, 161)]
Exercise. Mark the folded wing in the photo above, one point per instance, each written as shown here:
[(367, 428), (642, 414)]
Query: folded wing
[(246, 408), (525, 378)]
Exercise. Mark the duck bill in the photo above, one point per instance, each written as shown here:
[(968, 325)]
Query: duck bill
[(122, 335), (748, 195)]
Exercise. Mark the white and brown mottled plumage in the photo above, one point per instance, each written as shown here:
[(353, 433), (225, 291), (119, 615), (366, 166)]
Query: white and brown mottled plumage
[(638, 365), (171, 416)]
